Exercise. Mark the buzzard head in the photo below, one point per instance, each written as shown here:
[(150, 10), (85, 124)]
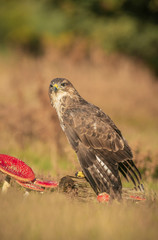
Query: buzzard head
[(58, 85), (60, 89)]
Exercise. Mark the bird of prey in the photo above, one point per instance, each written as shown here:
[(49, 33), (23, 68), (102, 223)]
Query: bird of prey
[(100, 147)]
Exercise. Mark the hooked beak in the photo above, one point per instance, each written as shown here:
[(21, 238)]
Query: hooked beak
[(55, 87)]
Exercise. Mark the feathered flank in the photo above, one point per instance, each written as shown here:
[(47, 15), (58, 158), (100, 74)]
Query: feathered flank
[(100, 147)]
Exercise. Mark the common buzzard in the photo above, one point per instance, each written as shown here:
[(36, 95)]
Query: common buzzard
[(100, 147)]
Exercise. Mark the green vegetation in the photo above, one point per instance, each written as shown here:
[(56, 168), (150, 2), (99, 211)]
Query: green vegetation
[(126, 26)]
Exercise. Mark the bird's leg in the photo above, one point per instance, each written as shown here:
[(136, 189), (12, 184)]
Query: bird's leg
[(6, 184)]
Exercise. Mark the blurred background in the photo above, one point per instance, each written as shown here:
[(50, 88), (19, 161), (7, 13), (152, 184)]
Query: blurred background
[(107, 48)]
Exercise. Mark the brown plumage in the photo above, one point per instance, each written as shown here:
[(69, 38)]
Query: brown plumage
[(101, 149)]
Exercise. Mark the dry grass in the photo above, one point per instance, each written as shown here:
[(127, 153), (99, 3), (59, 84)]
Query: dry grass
[(56, 216)]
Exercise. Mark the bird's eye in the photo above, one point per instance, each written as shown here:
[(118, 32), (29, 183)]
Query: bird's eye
[(63, 84)]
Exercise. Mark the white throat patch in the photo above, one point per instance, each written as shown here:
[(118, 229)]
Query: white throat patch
[(57, 102), (57, 99)]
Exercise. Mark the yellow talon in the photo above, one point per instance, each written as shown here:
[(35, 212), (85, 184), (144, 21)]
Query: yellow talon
[(79, 174)]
